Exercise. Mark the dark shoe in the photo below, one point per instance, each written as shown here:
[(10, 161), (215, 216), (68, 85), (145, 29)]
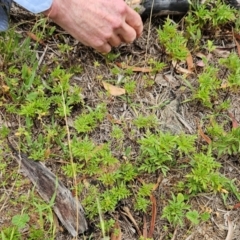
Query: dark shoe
[(234, 3), (173, 7), (165, 7)]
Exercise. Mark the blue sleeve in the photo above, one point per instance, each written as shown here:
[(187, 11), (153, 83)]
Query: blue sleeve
[(35, 6), (4, 13)]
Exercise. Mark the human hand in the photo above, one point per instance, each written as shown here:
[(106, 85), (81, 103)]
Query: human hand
[(100, 24)]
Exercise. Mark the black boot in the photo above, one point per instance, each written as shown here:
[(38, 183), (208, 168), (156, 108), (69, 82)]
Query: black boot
[(173, 7), (165, 7), (234, 3)]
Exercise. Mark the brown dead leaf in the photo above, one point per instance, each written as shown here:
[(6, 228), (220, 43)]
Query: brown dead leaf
[(190, 62), (203, 135), (134, 69), (142, 69), (224, 85), (234, 121), (116, 233), (236, 206), (154, 214), (113, 90), (180, 69), (35, 38)]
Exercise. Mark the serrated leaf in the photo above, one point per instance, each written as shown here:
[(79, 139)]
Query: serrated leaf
[(20, 220), (205, 216), (193, 216)]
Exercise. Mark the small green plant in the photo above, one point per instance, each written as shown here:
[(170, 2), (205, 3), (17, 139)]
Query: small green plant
[(86, 122), (146, 122), (10, 233), (158, 150), (156, 65), (209, 84), (13, 233), (20, 220), (142, 200), (130, 87), (232, 64), (110, 57), (207, 15), (228, 143), (204, 175), (194, 217), (173, 41), (175, 211), (117, 133)]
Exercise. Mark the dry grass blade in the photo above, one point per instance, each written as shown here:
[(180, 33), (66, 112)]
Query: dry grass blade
[(48, 186)]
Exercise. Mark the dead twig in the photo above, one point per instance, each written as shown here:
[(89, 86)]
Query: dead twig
[(230, 229), (127, 212), (175, 233)]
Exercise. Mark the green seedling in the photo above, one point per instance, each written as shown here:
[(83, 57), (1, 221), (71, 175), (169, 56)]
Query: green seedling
[(173, 41), (175, 211)]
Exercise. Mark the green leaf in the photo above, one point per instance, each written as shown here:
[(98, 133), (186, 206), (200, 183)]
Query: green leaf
[(193, 216), (205, 216), (180, 197), (20, 220)]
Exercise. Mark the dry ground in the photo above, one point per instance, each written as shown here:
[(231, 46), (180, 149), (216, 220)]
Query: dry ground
[(168, 90)]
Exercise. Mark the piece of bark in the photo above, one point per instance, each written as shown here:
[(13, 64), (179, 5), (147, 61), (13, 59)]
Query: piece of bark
[(66, 207)]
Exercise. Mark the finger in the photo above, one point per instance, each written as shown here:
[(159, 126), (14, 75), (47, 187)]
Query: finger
[(105, 48), (115, 41), (127, 33), (134, 20)]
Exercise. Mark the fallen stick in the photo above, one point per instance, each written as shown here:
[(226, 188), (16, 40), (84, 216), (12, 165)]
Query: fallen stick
[(66, 207)]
